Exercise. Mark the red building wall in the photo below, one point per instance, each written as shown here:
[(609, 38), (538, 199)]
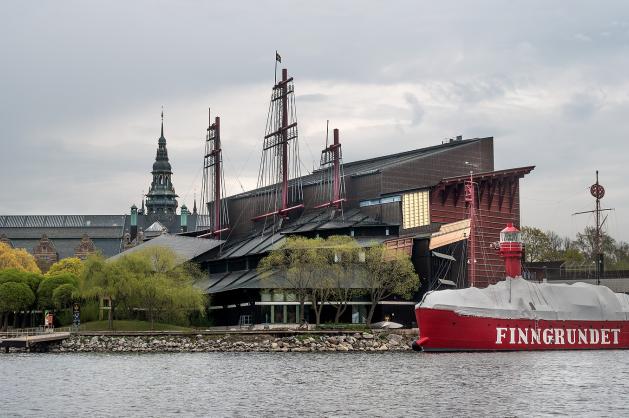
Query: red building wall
[(498, 203)]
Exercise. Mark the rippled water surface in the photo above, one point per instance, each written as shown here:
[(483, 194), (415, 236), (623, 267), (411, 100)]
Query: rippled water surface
[(570, 383)]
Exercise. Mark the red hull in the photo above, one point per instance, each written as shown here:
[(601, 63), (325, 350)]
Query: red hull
[(442, 330)]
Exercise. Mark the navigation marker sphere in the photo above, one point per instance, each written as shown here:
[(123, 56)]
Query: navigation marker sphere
[(597, 191)]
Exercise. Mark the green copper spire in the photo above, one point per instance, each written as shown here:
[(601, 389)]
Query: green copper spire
[(161, 197)]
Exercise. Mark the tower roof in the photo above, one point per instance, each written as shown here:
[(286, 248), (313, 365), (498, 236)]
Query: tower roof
[(161, 197), (161, 163)]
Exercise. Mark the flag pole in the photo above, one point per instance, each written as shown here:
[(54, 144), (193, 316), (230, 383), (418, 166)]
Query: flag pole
[(276, 66)]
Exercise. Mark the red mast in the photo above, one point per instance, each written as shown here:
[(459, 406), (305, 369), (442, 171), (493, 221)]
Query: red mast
[(470, 197), (216, 152), (284, 130), (331, 156), (280, 155), (212, 182)]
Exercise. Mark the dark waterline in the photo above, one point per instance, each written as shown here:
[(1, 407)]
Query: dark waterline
[(565, 383)]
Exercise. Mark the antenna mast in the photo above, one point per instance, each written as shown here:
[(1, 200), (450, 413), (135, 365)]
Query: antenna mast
[(597, 191)]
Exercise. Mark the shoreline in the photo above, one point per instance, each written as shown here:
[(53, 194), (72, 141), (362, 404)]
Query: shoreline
[(361, 342)]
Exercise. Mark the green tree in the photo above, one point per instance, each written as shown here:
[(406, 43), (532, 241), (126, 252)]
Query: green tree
[(297, 266), (32, 280), (586, 244), (103, 279), (64, 295), (14, 297), (388, 273), (21, 276), (346, 265), (165, 284), (71, 265), (537, 246), (48, 286)]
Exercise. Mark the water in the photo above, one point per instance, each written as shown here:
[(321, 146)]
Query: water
[(564, 383)]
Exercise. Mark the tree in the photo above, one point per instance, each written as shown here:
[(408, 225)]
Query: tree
[(387, 274), (154, 279), (63, 296), (348, 258), (537, 246), (14, 297), (164, 283), (103, 279), (20, 276), (586, 244), (32, 280), (297, 266), (47, 287), (72, 265), (17, 258)]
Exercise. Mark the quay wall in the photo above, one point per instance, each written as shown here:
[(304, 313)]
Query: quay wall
[(365, 342)]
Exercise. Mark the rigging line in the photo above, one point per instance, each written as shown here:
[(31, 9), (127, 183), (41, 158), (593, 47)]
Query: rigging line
[(192, 185)]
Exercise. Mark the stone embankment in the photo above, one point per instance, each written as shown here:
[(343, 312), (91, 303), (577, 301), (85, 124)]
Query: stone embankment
[(236, 343)]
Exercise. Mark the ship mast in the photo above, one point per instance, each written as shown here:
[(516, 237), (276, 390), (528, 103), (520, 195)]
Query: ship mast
[(332, 182), (470, 197), (213, 185), (280, 179), (597, 191)]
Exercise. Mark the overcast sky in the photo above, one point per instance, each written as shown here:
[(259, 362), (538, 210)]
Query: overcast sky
[(82, 84)]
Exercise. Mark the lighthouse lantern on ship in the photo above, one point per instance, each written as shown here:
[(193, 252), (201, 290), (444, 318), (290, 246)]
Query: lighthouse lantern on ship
[(510, 249)]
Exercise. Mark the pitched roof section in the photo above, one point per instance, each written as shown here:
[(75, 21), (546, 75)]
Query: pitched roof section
[(317, 221), (187, 248), (61, 221), (374, 165)]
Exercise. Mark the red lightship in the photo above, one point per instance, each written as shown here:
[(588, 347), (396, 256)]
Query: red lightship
[(516, 314)]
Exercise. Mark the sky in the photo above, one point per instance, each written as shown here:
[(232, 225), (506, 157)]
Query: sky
[(82, 84)]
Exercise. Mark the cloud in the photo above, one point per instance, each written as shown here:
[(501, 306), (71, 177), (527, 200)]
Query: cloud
[(417, 111), (80, 102), (582, 106)]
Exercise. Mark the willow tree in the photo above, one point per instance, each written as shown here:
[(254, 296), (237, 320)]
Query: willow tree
[(297, 266), (388, 273), (102, 279), (165, 283)]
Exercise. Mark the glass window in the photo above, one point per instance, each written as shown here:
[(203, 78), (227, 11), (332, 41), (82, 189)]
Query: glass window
[(415, 209)]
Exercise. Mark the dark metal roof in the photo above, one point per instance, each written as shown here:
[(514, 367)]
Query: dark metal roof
[(61, 221), (62, 233), (187, 248), (252, 279), (374, 165), (317, 221)]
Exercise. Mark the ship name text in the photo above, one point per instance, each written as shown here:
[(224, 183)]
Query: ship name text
[(557, 336)]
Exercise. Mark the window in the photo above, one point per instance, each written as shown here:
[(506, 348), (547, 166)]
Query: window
[(415, 209), (383, 200)]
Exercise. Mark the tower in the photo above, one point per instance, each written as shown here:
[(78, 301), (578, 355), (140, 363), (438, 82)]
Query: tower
[(161, 198)]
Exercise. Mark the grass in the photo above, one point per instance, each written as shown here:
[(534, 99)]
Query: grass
[(130, 326)]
